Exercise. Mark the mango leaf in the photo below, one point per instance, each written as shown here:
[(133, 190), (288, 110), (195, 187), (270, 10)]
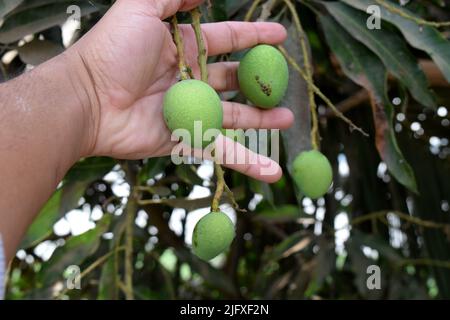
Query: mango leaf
[(280, 214), (389, 47), (234, 6), (294, 243), (73, 252), (365, 69), (152, 167), (39, 19), (218, 8), (421, 37), (108, 286), (32, 4), (66, 197), (6, 6), (39, 51), (188, 174)]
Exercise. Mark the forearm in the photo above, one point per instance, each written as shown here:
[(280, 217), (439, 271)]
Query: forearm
[(42, 134)]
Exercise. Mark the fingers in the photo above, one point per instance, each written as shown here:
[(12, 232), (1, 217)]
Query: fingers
[(230, 36), (163, 8), (240, 116), (223, 76), (235, 156), (225, 37)]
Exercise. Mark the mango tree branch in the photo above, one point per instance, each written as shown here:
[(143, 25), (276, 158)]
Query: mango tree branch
[(130, 212), (319, 93), (251, 10), (219, 187), (202, 54), (185, 71), (202, 61)]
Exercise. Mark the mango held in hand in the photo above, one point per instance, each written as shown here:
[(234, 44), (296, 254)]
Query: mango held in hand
[(263, 76), (191, 102), (312, 173), (212, 235)]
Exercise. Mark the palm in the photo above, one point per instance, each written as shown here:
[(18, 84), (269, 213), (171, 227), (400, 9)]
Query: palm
[(139, 62)]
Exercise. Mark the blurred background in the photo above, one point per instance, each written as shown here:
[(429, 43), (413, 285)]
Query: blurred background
[(388, 206)]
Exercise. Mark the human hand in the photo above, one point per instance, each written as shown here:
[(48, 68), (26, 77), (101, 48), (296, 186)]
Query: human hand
[(130, 61)]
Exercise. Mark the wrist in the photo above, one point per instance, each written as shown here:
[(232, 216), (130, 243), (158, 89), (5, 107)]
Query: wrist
[(80, 83)]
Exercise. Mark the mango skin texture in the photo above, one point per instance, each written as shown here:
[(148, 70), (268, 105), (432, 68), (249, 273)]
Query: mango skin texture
[(312, 173), (189, 101), (263, 76), (212, 235)]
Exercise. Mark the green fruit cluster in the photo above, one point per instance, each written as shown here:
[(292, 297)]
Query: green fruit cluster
[(312, 173), (191, 101), (212, 235), (263, 76)]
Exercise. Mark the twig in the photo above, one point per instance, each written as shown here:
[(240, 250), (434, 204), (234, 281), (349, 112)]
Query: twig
[(202, 54), (202, 61), (251, 10), (425, 262), (219, 187), (405, 15), (232, 199), (94, 265), (185, 71), (130, 213), (318, 92), (404, 216), (267, 10), (309, 76), (131, 209), (351, 102)]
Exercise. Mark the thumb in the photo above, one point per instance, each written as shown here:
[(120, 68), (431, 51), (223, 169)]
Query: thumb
[(162, 8)]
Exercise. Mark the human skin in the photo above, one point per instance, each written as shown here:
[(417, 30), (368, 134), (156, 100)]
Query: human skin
[(103, 97)]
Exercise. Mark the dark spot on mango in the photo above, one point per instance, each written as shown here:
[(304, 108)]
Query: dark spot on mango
[(265, 88)]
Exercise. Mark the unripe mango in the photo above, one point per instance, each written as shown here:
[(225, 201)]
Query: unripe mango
[(212, 235), (189, 101), (312, 173), (263, 76)]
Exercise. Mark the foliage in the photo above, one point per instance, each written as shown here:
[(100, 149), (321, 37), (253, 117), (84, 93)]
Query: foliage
[(389, 204)]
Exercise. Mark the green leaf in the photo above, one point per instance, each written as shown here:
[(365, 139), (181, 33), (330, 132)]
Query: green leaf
[(34, 20), (292, 244), (219, 11), (39, 51), (280, 214), (389, 47), (152, 167), (66, 197), (188, 174), (73, 252), (364, 68), (421, 37), (6, 6), (108, 286)]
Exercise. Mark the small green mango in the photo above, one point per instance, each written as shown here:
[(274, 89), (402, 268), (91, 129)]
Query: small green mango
[(312, 173), (190, 101), (263, 76), (212, 235)]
